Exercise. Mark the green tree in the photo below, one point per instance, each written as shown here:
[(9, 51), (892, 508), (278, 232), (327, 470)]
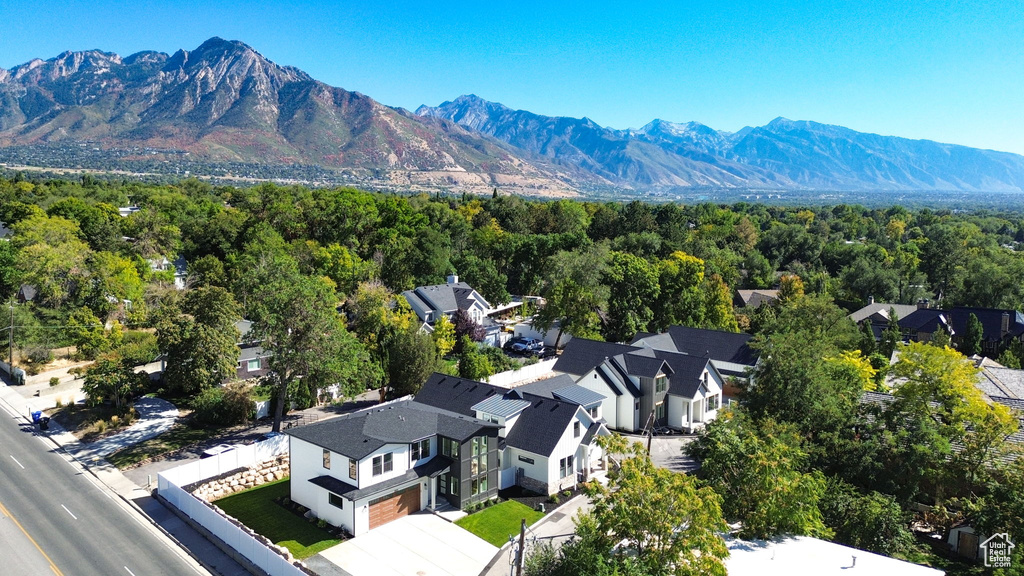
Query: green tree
[(87, 333), (200, 342), (662, 519), (110, 379), (758, 472), (891, 336), (410, 358), (872, 521), (633, 288), (574, 294), (971, 344), (309, 347), (718, 312), (472, 364), (444, 336), (680, 303), (51, 256)]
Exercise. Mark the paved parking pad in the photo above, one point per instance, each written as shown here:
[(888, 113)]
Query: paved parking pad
[(416, 545)]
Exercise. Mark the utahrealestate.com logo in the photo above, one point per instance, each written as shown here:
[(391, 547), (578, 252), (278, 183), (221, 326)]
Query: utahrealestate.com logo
[(997, 550)]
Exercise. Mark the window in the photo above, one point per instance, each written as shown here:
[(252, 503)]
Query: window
[(442, 483), (453, 486), (336, 501), (449, 447), (479, 486), (593, 412), (711, 403), (253, 365), (565, 467), (421, 449), (576, 429), (382, 464), (525, 459), (660, 383), (327, 459), (353, 468), (659, 411)]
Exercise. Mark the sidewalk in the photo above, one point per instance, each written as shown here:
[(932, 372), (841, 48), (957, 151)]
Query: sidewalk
[(555, 528)]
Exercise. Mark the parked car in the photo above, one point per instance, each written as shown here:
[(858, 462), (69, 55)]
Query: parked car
[(527, 346), (216, 450)]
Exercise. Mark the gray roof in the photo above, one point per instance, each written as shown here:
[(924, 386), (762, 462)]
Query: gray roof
[(247, 353), (506, 405), (754, 298), (563, 387), (456, 394), (437, 465), (902, 311), (359, 434), (995, 379), (5, 231), (582, 355), (685, 379), (243, 327), (444, 298), (926, 320), (718, 345), (540, 427)]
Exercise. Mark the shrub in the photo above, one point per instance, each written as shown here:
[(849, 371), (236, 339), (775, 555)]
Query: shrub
[(223, 405), (554, 499), (138, 347), (38, 355), (321, 523), (101, 426), (54, 381), (871, 521)]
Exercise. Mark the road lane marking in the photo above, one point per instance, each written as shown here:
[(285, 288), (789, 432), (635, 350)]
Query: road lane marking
[(68, 511), (16, 461), (7, 513), (129, 571)]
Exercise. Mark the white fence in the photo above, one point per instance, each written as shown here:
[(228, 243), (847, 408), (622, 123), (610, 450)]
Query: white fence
[(256, 549), (526, 373)]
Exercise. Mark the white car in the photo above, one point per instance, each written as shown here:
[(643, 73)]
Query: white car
[(218, 449)]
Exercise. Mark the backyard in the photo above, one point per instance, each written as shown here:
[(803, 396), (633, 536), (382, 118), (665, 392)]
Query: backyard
[(257, 509), (497, 523)]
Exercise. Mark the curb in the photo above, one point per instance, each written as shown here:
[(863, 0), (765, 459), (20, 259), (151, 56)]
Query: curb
[(134, 507)]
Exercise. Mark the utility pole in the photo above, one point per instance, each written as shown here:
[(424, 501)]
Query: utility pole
[(521, 557), (10, 359)]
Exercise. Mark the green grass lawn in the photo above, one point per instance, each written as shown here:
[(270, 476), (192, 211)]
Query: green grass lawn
[(179, 436), (256, 509), (497, 523)]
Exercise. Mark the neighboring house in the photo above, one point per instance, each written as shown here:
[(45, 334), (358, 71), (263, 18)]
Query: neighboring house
[(253, 360), (547, 430), (754, 298), (432, 302), (179, 266), (365, 469), (877, 313), (456, 443), (998, 381), (806, 556), (126, 211), (922, 324), (27, 293), (5, 232), (644, 385), (999, 327)]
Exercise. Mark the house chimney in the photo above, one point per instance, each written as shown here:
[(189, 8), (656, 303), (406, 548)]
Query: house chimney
[(871, 300), (922, 304), (453, 278), (1004, 325)]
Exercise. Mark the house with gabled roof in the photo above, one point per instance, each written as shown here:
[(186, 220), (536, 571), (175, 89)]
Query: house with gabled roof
[(644, 386), (455, 444), (430, 303), (370, 467)]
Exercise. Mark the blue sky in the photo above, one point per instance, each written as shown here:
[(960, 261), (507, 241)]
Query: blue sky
[(943, 70)]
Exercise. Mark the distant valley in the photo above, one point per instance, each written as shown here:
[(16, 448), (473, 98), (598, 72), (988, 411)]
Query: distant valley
[(224, 110)]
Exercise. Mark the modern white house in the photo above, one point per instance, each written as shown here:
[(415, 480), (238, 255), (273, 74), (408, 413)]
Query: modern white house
[(643, 386), (455, 444)]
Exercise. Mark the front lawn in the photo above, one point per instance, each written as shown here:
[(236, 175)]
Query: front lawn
[(497, 523), (178, 437), (256, 509)]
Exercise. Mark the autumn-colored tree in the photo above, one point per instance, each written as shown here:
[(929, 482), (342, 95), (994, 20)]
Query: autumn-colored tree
[(444, 336)]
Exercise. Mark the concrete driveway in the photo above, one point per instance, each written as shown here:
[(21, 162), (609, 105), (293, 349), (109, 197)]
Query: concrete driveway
[(667, 451), (420, 544)]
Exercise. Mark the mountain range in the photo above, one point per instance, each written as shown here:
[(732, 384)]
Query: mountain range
[(225, 102)]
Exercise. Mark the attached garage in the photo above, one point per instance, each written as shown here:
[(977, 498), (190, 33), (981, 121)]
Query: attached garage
[(394, 506)]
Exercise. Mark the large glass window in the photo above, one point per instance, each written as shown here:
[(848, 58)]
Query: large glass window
[(576, 429), (336, 500), (382, 464), (660, 383)]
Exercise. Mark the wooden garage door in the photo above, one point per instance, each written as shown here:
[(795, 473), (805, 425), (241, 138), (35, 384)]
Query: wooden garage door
[(393, 507)]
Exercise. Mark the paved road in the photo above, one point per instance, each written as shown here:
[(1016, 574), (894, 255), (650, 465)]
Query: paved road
[(59, 518)]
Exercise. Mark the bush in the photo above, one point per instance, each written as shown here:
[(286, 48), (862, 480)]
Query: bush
[(872, 521), (138, 347), (38, 355), (223, 405), (54, 381)]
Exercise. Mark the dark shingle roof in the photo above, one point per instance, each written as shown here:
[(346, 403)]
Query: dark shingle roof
[(437, 465), (540, 427), (581, 355), (715, 344), (359, 434), (445, 298), (924, 320), (455, 394), (640, 364), (686, 375), (991, 321)]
